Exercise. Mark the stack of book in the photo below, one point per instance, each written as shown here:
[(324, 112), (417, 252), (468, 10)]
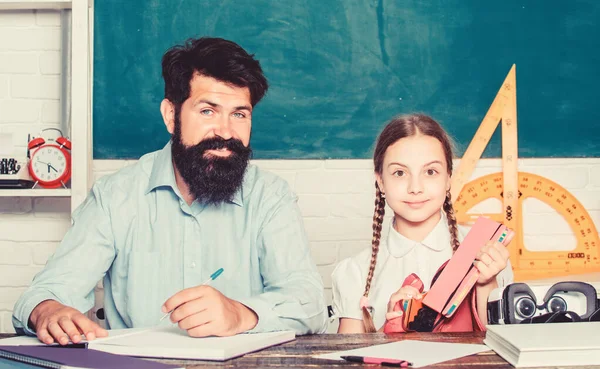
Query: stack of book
[(555, 344)]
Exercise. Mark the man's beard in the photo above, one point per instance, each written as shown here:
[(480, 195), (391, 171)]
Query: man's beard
[(211, 179)]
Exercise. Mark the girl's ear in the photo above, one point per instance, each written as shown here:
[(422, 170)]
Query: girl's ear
[(379, 182), (449, 182)]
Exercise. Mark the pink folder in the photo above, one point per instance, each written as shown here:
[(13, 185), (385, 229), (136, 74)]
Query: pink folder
[(459, 275)]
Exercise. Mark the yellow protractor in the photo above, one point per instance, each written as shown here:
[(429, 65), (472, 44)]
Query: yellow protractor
[(512, 187), (530, 265)]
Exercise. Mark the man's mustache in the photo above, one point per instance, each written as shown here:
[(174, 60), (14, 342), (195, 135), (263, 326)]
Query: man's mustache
[(215, 143)]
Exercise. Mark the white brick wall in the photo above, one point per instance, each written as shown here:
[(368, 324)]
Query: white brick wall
[(30, 70), (335, 196), (4, 86)]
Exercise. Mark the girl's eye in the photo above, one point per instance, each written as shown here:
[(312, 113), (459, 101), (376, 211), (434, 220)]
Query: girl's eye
[(431, 172), (399, 173), (207, 112)]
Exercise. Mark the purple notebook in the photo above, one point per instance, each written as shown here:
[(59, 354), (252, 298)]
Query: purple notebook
[(59, 357)]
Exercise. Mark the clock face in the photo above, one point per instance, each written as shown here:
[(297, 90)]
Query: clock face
[(49, 163)]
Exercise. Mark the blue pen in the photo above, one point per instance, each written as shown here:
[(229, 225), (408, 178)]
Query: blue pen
[(205, 283)]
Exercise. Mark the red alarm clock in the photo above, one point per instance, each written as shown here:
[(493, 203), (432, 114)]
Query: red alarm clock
[(50, 162)]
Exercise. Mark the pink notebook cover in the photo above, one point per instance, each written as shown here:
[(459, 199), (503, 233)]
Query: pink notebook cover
[(453, 274)]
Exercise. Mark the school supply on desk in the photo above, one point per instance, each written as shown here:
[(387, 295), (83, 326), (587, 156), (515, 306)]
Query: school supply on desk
[(530, 345), (442, 308), (512, 188), (11, 364), (56, 357), (174, 343), (378, 361), (419, 353), (418, 317), (459, 275)]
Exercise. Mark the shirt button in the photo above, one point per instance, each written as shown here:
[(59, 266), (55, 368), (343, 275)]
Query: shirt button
[(193, 265)]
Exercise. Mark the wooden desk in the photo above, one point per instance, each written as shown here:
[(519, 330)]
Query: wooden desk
[(298, 353)]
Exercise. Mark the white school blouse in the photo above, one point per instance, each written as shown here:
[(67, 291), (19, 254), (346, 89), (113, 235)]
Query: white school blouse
[(397, 258)]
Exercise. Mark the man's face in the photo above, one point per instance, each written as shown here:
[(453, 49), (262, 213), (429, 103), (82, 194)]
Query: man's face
[(215, 109), (211, 133)]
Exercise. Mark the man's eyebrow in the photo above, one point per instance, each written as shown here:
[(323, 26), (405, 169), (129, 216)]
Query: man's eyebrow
[(204, 101), (215, 105), (243, 107)]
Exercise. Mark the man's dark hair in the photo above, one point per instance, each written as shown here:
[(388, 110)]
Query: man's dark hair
[(220, 59)]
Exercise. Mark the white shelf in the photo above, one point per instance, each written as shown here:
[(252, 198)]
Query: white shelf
[(57, 192), (81, 66), (34, 4)]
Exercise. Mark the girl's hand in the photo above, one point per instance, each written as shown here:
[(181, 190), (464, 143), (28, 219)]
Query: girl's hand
[(404, 293), (491, 260)]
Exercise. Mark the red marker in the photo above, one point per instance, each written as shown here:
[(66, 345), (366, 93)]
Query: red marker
[(375, 360)]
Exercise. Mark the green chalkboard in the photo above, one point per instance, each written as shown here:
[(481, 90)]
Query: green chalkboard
[(339, 69)]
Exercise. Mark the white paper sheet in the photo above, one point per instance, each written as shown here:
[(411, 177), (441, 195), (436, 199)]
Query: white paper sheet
[(420, 353), (33, 341), (20, 340)]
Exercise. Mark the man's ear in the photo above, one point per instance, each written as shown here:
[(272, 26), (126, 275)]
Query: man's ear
[(167, 110)]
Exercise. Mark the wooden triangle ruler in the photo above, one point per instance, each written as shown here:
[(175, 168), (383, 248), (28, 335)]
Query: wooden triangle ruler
[(512, 187), (503, 108)]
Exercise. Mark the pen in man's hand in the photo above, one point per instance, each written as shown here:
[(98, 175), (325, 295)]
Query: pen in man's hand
[(206, 283), (82, 345), (375, 360)]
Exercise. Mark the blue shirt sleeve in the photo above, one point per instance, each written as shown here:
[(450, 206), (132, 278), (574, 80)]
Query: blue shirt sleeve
[(292, 298), (80, 261)]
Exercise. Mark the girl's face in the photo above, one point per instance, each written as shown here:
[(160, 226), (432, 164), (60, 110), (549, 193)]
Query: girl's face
[(415, 178)]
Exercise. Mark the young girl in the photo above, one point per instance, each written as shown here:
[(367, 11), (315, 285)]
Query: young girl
[(413, 165)]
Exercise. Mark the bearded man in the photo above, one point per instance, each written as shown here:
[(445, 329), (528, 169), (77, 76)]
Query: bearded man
[(156, 230)]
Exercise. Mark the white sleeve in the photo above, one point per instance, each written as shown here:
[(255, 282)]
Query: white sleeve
[(506, 276), (346, 288)]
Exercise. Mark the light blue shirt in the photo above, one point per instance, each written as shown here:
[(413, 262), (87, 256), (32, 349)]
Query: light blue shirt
[(135, 230)]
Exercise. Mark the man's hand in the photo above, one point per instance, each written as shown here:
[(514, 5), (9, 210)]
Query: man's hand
[(203, 311), (55, 322)]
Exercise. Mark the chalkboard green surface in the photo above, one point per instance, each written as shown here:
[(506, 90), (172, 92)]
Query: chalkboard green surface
[(339, 69)]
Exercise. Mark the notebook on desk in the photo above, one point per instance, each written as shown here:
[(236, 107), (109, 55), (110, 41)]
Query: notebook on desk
[(56, 357), (174, 343), (11, 364), (554, 344)]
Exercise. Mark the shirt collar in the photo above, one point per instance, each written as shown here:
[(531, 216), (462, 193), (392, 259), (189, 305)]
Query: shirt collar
[(437, 240), (163, 175), (237, 196), (439, 237)]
